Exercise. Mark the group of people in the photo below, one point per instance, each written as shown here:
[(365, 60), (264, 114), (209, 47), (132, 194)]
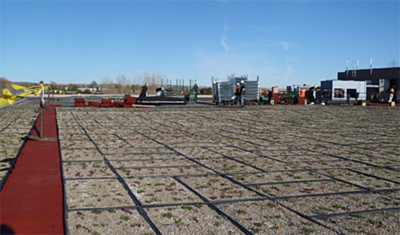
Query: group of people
[(239, 94)]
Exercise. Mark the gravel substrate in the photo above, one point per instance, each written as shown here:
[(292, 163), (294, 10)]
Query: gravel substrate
[(262, 170), (15, 123)]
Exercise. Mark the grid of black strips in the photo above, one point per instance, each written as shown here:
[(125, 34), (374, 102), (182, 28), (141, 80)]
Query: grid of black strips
[(15, 123), (272, 170)]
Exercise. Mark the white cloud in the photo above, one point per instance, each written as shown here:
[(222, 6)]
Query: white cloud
[(223, 43), (224, 37), (287, 45), (289, 71), (220, 65)]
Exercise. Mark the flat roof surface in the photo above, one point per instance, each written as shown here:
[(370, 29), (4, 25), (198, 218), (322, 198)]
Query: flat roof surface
[(258, 169)]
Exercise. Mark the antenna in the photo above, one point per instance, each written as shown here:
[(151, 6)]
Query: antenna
[(347, 67), (370, 66), (355, 64)]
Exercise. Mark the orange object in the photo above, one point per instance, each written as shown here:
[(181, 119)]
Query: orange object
[(302, 93)]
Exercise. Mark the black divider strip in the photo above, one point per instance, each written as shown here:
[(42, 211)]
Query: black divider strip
[(77, 148), (133, 197), (339, 168), (235, 159), (315, 171), (337, 193), (349, 159), (155, 167), (355, 213), (88, 178), (140, 153), (341, 180), (290, 182), (174, 204), (163, 176), (10, 123), (64, 191), (82, 161), (122, 139), (188, 142), (216, 209), (240, 200), (103, 208), (314, 161), (96, 121), (374, 176), (144, 159)]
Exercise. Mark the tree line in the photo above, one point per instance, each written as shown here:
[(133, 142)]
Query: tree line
[(121, 85)]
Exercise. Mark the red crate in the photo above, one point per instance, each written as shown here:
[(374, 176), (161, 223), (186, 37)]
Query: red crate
[(94, 104), (130, 100), (117, 104), (80, 104)]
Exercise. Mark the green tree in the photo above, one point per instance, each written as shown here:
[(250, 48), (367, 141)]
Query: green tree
[(87, 91)]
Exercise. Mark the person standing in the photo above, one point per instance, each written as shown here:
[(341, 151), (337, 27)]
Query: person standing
[(241, 93), (237, 94), (391, 94), (195, 91), (41, 94), (143, 93)]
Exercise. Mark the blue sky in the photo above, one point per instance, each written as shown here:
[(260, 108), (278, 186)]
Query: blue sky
[(283, 42)]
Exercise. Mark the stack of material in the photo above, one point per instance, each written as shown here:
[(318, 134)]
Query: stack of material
[(225, 90), (129, 101), (117, 104), (251, 92), (80, 102), (106, 103), (301, 100), (93, 104), (276, 98)]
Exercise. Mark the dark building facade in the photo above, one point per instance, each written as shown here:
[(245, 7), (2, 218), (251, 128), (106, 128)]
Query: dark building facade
[(382, 78), (391, 75)]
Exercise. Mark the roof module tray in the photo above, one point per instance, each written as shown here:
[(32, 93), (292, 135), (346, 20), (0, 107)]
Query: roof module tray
[(261, 170)]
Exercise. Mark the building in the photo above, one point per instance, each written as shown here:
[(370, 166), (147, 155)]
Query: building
[(379, 80), (337, 91)]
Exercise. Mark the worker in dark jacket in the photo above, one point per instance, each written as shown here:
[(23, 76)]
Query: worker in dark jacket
[(241, 93), (143, 93)]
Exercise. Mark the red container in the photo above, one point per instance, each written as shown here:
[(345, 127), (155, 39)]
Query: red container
[(130, 100), (94, 104)]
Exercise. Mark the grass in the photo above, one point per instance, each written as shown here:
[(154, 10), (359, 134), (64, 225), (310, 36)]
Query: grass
[(96, 211), (185, 207), (167, 215), (359, 216), (241, 212)]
